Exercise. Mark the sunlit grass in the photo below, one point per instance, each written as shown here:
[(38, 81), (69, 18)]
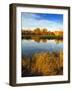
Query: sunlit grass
[(43, 63)]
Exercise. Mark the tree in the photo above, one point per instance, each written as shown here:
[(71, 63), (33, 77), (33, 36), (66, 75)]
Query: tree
[(37, 31), (44, 31)]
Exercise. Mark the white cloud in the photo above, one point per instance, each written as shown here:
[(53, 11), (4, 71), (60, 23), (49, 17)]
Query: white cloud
[(30, 22)]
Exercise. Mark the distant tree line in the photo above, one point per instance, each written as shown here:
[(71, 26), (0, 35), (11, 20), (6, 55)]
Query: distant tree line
[(39, 31)]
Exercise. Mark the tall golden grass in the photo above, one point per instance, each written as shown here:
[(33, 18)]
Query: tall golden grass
[(44, 64)]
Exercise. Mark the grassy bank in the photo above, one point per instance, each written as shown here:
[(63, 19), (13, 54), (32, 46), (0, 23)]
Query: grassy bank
[(43, 64), (41, 37)]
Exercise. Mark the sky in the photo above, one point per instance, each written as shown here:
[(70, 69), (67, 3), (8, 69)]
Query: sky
[(52, 22)]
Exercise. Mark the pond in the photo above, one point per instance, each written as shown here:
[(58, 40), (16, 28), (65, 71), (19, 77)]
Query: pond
[(30, 47)]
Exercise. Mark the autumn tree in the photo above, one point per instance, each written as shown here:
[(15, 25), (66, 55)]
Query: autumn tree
[(44, 31), (37, 31)]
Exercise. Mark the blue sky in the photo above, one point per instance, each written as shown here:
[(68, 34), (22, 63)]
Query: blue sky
[(52, 22)]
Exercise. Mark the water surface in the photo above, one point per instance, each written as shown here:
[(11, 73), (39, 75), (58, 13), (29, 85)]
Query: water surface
[(30, 47)]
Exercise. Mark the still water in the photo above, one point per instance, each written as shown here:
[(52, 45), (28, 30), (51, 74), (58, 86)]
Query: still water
[(30, 47)]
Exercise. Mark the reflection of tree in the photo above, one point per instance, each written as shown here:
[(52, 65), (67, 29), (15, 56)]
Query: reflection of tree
[(36, 40), (58, 41), (44, 40), (39, 40)]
